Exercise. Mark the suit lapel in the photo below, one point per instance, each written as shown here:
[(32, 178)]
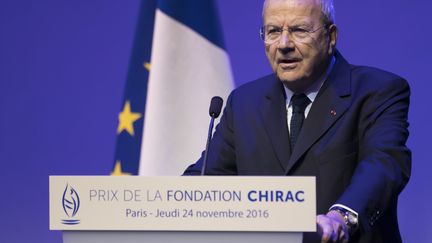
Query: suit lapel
[(274, 117), (330, 104)]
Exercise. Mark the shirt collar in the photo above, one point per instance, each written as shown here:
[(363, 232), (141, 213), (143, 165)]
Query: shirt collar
[(312, 91)]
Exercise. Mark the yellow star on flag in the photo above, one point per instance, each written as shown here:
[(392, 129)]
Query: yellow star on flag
[(147, 66), (118, 170), (126, 119)]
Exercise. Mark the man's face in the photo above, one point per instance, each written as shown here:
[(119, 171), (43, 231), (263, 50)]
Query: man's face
[(299, 63)]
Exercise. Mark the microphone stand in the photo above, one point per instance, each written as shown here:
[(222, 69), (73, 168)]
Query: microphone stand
[(209, 136)]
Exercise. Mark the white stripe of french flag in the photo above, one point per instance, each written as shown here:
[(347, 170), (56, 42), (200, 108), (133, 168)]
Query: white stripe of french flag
[(187, 70)]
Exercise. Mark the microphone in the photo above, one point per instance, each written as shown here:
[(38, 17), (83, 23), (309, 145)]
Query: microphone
[(214, 112), (215, 106)]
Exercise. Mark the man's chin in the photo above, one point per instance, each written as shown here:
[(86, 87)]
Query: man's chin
[(288, 77), (293, 82)]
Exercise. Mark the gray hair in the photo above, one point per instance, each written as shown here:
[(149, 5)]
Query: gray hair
[(327, 8)]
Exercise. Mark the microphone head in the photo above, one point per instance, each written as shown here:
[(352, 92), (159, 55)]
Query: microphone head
[(215, 106)]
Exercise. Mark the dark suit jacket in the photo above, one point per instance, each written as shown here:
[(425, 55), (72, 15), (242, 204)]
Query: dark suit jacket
[(353, 141)]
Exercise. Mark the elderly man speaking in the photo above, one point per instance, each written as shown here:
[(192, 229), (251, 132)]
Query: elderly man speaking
[(318, 115)]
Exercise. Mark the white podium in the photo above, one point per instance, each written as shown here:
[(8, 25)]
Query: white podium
[(182, 209), (180, 237)]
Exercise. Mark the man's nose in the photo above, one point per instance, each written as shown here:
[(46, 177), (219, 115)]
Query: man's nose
[(285, 40)]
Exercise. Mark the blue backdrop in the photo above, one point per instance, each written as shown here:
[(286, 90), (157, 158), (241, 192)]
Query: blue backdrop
[(63, 66)]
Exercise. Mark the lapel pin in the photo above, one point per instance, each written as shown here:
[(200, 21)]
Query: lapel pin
[(333, 112)]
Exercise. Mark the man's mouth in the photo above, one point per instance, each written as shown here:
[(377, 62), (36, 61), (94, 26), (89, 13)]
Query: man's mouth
[(288, 63)]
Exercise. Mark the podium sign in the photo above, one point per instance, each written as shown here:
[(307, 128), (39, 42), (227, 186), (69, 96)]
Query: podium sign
[(188, 203)]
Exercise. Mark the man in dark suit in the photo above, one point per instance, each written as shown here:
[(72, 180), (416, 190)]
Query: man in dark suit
[(320, 116)]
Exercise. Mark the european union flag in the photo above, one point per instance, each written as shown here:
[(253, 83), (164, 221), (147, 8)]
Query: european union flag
[(131, 117)]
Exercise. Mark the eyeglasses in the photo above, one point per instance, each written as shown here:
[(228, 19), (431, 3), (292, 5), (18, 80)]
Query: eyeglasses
[(271, 34)]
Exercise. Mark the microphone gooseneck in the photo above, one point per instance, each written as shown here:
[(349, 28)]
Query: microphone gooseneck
[(214, 112)]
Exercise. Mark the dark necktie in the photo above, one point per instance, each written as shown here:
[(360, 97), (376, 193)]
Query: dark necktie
[(298, 103)]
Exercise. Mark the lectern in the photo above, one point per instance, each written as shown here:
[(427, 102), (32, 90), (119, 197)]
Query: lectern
[(104, 209)]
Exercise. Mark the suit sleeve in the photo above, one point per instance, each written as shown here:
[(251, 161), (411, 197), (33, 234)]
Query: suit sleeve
[(221, 155), (384, 163)]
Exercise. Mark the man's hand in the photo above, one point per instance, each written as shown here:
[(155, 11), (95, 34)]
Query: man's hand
[(332, 228)]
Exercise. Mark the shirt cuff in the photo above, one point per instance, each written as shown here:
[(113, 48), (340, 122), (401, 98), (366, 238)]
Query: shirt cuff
[(344, 207)]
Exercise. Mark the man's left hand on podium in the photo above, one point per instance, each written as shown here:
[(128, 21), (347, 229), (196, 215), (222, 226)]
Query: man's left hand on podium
[(332, 228)]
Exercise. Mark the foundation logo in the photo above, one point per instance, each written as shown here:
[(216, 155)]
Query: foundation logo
[(71, 205)]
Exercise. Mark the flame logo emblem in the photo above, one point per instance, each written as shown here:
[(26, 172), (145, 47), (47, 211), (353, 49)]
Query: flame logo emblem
[(71, 204)]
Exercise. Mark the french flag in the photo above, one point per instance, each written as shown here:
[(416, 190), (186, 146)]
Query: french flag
[(188, 65)]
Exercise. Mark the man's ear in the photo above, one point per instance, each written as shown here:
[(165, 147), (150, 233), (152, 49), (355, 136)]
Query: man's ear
[(333, 35)]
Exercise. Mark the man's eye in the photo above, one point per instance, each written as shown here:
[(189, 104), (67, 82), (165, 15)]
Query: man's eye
[(273, 31), (298, 30)]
